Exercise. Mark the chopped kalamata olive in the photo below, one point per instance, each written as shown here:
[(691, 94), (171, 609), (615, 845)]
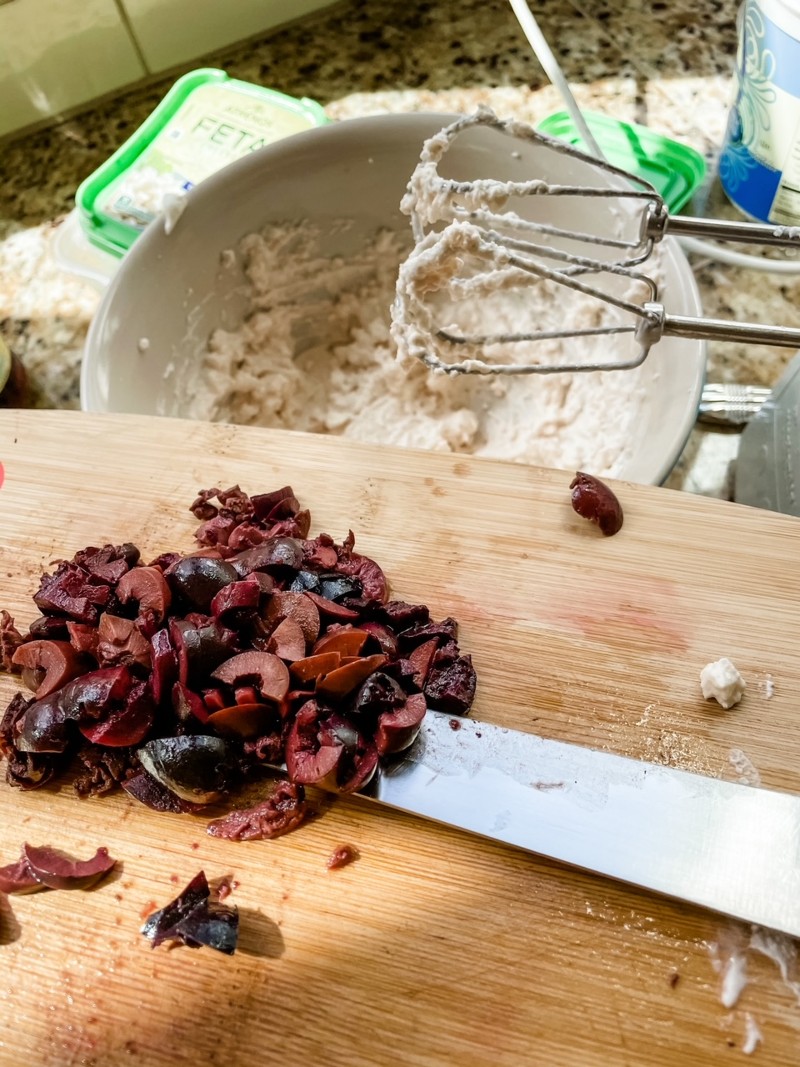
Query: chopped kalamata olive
[(47, 665), (313, 667), (349, 676), (266, 506), (260, 647), (73, 592), (320, 553), (200, 647), (19, 878), (164, 660), (339, 586), (379, 693), (83, 638), (297, 606), (57, 870), (452, 688), (49, 626), (43, 867), (330, 609), (44, 727), (195, 920), (342, 856), (346, 641), (102, 769), (276, 556), (238, 596), (232, 502), (189, 707), (119, 641), (265, 670), (594, 500), (195, 581), (304, 582), (150, 792), (421, 659), (246, 721), (108, 563), (369, 574), (287, 641), (127, 725), (148, 587), (398, 729), (381, 636), (10, 640), (100, 697), (401, 616), (283, 811), (195, 768), (442, 632), (327, 750)]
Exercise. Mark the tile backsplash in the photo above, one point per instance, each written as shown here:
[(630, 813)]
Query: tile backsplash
[(58, 54)]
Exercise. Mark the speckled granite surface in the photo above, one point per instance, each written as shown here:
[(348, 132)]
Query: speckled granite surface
[(667, 65)]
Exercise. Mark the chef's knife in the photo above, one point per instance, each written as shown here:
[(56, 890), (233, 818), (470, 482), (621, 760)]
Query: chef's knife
[(728, 847)]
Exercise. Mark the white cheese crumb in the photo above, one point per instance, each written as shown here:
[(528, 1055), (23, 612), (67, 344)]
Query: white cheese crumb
[(173, 206), (723, 682), (744, 767), (144, 344), (734, 979), (769, 688), (752, 1035)]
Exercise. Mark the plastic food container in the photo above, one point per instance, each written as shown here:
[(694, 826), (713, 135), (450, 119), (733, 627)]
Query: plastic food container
[(206, 121), (675, 170), (759, 167)]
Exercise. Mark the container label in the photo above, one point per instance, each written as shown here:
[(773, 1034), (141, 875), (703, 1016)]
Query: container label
[(215, 126), (760, 162)]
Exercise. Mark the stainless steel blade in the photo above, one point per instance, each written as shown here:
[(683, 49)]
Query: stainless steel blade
[(732, 848)]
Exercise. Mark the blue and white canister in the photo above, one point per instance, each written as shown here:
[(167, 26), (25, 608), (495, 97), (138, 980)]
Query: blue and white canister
[(759, 167)]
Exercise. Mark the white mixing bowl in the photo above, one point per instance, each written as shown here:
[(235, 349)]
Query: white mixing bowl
[(170, 288)]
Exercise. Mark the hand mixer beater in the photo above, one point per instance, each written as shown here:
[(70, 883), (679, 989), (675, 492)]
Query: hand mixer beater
[(472, 247)]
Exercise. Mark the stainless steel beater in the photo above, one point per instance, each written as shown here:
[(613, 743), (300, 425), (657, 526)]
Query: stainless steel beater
[(484, 247)]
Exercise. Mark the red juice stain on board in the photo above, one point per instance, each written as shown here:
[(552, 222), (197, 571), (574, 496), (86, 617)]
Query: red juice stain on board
[(2, 474)]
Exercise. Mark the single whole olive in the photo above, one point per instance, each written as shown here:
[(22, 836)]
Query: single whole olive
[(594, 500), (196, 580)]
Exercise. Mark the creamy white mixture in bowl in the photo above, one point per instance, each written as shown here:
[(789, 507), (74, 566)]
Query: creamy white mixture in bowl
[(269, 304)]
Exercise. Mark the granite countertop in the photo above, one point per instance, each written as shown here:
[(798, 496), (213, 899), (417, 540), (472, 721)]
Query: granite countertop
[(664, 65)]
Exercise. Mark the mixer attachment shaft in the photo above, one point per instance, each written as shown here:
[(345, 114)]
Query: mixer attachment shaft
[(473, 246)]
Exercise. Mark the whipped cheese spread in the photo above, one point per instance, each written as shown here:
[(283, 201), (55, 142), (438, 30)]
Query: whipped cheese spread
[(314, 352)]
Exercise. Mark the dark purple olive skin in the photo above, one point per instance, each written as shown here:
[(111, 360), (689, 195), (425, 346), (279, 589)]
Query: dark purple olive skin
[(195, 581), (194, 768)]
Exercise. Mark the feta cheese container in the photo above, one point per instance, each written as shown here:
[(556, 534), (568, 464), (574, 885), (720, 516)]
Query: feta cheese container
[(205, 121)]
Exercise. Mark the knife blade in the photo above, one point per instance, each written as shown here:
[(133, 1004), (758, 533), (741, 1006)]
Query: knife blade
[(731, 848)]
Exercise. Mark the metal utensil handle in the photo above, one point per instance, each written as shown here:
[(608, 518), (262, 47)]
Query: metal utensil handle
[(725, 230), (731, 404), (724, 330)]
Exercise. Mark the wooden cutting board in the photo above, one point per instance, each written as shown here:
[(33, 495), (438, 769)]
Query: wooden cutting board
[(435, 947)]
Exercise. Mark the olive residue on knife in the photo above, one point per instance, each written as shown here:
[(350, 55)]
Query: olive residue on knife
[(180, 679)]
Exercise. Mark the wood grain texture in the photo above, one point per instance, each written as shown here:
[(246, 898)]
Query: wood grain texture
[(434, 947)]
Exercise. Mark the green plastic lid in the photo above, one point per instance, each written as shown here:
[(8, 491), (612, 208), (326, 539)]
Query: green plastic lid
[(675, 170), (205, 121)]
